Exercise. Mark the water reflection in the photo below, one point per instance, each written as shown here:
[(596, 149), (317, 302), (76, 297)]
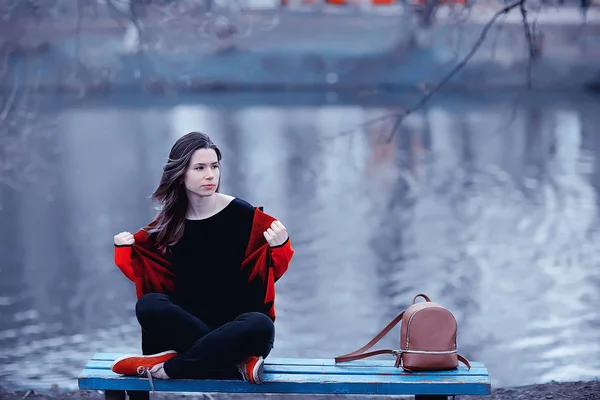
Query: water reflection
[(493, 216)]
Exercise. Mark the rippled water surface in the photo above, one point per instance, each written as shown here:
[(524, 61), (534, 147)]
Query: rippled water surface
[(488, 206)]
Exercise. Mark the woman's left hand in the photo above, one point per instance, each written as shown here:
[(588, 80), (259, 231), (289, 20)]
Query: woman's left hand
[(276, 235)]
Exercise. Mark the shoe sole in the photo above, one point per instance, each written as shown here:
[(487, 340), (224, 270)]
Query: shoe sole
[(164, 353), (258, 371)]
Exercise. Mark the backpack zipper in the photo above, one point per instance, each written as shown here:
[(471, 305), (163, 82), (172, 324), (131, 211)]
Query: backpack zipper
[(408, 328)]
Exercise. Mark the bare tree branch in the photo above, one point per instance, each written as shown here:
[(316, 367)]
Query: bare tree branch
[(430, 93), (465, 60)]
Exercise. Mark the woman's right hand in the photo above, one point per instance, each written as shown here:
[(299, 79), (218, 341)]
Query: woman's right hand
[(124, 239)]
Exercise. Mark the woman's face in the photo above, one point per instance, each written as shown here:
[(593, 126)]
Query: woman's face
[(203, 173)]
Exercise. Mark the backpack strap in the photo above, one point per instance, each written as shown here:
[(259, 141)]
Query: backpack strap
[(464, 361), (360, 353)]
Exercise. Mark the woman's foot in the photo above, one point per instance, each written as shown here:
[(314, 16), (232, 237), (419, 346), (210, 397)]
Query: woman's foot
[(252, 369), (134, 365)]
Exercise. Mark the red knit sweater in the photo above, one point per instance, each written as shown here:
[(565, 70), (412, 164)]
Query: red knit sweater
[(151, 270)]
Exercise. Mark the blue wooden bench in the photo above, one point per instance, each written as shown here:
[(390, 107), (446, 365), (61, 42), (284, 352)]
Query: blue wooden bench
[(301, 376)]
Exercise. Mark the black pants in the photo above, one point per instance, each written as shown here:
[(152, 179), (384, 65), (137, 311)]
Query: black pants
[(202, 352)]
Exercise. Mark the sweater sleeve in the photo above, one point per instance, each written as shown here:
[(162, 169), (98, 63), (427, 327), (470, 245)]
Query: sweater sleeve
[(123, 260), (281, 256)]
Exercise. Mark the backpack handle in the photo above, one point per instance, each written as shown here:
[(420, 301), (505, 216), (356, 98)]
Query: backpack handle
[(423, 296)]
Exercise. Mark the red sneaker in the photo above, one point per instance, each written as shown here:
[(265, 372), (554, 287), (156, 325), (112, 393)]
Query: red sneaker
[(252, 369), (133, 365)]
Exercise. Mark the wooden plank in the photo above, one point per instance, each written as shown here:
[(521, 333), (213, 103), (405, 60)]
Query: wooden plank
[(322, 378), (382, 362), (297, 383), (342, 369)]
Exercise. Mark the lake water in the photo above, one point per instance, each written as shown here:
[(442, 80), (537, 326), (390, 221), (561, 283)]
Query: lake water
[(487, 204)]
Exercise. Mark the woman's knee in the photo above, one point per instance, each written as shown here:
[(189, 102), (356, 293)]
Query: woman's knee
[(149, 304), (261, 326)]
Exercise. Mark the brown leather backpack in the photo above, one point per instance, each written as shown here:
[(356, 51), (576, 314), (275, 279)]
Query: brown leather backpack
[(427, 339)]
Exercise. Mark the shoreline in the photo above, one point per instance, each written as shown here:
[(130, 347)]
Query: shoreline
[(576, 390), (331, 52)]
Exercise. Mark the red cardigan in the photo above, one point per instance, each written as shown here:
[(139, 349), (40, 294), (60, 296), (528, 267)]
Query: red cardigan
[(151, 271)]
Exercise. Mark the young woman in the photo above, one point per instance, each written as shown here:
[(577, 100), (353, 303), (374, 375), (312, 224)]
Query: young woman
[(204, 271)]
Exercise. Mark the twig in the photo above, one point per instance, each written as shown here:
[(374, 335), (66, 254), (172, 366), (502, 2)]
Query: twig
[(495, 43), (529, 38), (78, 29)]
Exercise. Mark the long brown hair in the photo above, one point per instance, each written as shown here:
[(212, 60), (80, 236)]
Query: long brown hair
[(167, 228)]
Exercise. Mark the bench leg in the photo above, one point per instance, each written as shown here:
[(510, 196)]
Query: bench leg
[(431, 397), (114, 395), (138, 395)]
